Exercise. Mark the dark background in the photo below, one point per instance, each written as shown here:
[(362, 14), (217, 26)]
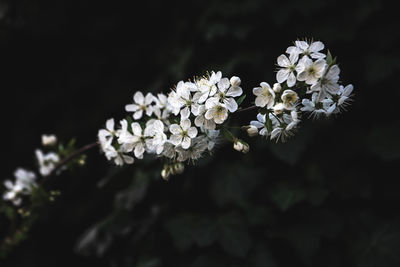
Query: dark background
[(328, 197)]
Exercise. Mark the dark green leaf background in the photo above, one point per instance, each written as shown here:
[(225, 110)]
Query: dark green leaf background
[(328, 197)]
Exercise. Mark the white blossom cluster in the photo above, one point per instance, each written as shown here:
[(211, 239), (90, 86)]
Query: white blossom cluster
[(307, 81), (180, 126), (25, 180)]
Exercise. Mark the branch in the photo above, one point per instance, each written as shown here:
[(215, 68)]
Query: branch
[(246, 109), (70, 157)]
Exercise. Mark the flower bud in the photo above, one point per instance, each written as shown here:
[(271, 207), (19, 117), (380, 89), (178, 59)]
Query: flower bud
[(241, 146), (165, 174), (49, 140), (277, 87), (235, 81), (252, 130), (179, 168)]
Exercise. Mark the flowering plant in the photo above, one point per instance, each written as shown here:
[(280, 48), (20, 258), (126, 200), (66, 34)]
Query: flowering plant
[(192, 118)]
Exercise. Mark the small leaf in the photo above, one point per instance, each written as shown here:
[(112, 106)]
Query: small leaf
[(228, 135), (240, 100), (285, 197)]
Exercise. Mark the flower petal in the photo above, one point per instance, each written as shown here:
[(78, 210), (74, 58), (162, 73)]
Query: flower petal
[(138, 98), (192, 132)]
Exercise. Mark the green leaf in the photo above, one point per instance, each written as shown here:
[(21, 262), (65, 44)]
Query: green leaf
[(329, 58), (228, 135), (285, 197), (240, 100), (233, 235)]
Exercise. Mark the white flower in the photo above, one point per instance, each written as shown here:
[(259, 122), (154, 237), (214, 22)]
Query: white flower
[(311, 71), (105, 135), (47, 162), (141, 104), (140, 144), (343, 97), (207, 87), (260, 123), (312, 50), (218, 113), (286, 73), (49, 140), (182, 97), (118, 156), (182, 134), (265, 95), (225, 95), (328, 84), (24, 181), (201, 121), (161, 108), (289, 97), (155, 130), (317, 109)]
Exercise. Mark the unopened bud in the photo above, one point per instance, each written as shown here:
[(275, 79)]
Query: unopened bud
[(49, 140), (241, 146), (277, 87), (179, 168), (252, 130), (165, 174)]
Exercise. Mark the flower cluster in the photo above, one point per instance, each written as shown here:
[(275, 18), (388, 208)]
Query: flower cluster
[(307, 81), (24, 182), (180, 126), (184, 124)]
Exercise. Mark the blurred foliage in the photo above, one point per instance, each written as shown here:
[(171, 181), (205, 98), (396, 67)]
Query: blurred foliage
[(327, 197)]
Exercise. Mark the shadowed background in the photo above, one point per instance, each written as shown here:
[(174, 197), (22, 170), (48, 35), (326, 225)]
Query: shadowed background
[(328, 197)]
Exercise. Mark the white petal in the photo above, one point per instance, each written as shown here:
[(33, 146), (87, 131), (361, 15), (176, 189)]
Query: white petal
[(185, 142), (211, 102), (291, 80), (231, 104), (316, 46), (348, 90), (234, 91), (185, 124), (138, 98), (185, 113), (175, 139), (138, 114), (302, 45), (136, 129), (192, 132), (199, 121), (223, 85), (131, 107), (139, 150), (258, 91), (210, 114), (257, 124), (261, 101), (110, 125), (282, 75), (261, 117), (175, 129), (128, 159), (283, 61)]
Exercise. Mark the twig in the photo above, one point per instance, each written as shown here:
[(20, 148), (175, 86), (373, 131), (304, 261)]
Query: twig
[(70, 157), (246, 109)]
